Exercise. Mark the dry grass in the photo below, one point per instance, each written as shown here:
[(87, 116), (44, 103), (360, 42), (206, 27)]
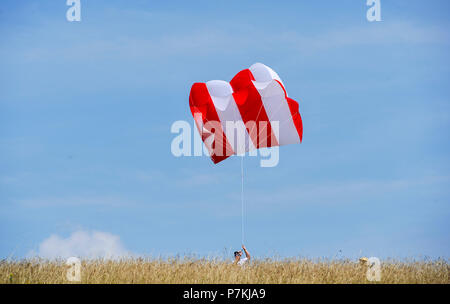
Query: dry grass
[(206, 271)]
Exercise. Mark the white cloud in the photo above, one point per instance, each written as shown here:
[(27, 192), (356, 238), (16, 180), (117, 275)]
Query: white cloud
[(334, 192), (386, 34), (110, 201), (198, 179), (212, 40), (82, 244)]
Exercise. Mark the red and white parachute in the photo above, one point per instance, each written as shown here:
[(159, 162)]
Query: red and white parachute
[(254, 103)]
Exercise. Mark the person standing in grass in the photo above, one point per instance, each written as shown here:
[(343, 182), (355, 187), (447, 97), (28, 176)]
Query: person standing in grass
[(238, 259)]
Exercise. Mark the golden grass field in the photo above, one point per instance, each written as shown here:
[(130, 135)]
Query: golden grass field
[(198, 271)]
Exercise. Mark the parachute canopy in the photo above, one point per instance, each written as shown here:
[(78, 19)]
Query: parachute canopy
[(251, 111)]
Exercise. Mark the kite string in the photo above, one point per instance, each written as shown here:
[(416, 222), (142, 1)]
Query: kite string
[(242, 197)]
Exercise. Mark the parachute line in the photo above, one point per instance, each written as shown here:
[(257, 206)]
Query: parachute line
[(242, 196)]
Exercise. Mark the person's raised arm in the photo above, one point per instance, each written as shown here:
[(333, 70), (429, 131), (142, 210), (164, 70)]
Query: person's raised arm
[(247, 254)]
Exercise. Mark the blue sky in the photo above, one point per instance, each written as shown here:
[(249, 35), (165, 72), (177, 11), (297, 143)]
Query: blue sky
[(86, 109)]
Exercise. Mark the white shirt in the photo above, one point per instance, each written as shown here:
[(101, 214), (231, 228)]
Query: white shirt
[(242, 261)]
